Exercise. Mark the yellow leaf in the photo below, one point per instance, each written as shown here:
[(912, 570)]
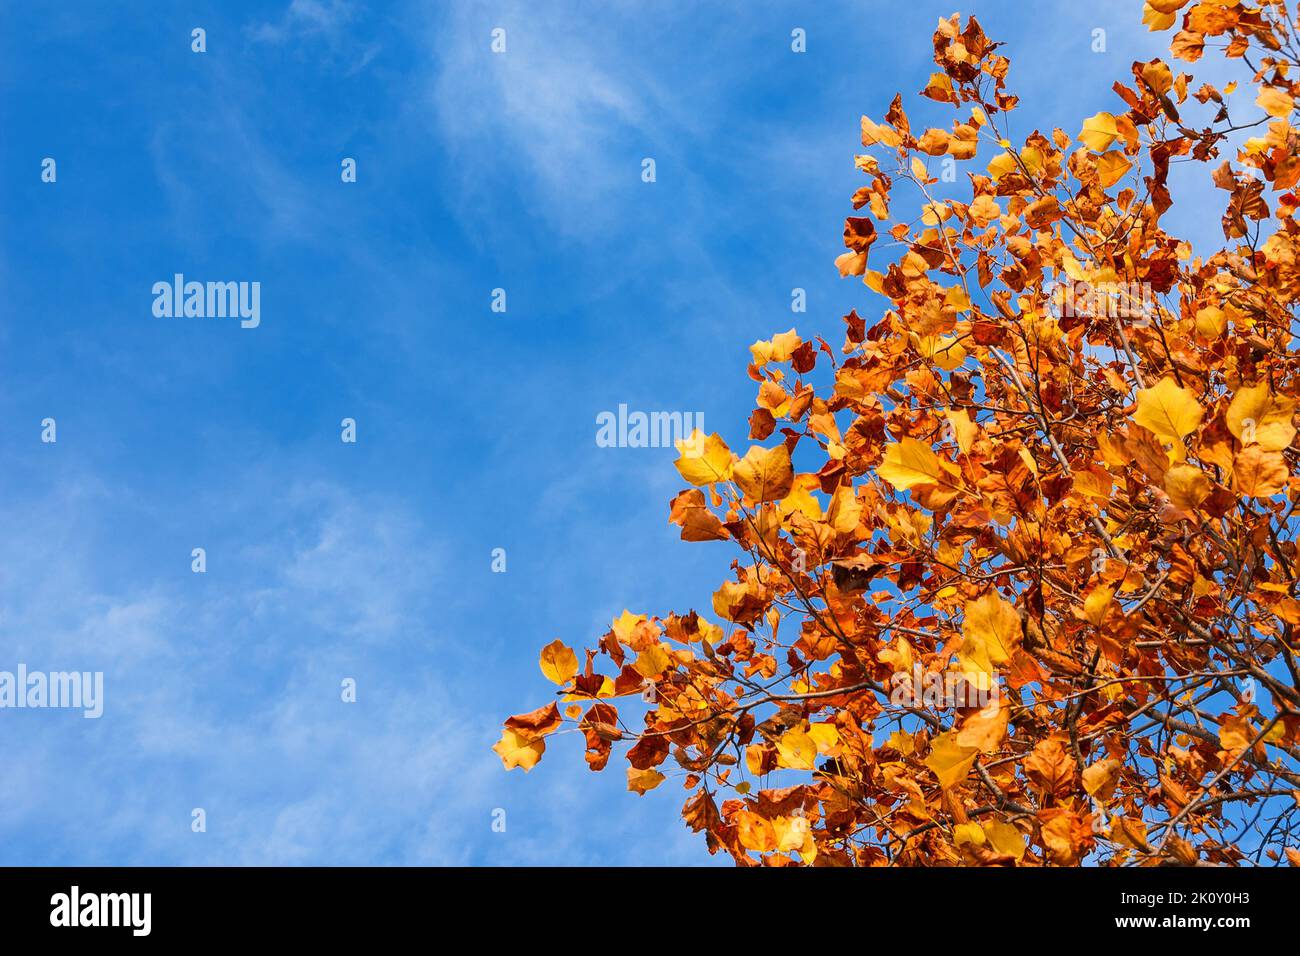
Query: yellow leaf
[(901, 741), (1256, 417), (1099, 132), (1029, 461), (774, 398), (1099, 779), (800, 500), (558, 663), (791, 833), (1186, 486), (796, 750), (964, 833), (1130, 832), (778, 349), (873, 133), (764, 474), (1070, 265), (1061, 835), (851, 263), (652, 661), (909, 463), (643, 781), (1097, 603), (949, 760), (824, 735), (517, 750), (944, 350), (940, 83), (703, 460), (1211, 322), (963, 429), (984, 209), (736, 599), (985, 729), (1259, 472), (1155, 20), (844, 510), (624, 626), (1158, 76), (1111, 167), (1002, 164), (1005, 839), (990, 630), (933, 213), (1031, 158), (1170, 412), (1275, 102), (755, 832), (1235, 733)]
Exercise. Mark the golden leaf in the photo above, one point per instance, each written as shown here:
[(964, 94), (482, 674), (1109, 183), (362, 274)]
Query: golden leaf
[(986, 728), (1186, 485), (1111, 167), (949, 760), (1259, 473), (764, 474), (703, 460), (796, 750), (1100, 778), (1235, 733), (643, 781), (844, 510), (517, 750), (1099, 131), (755, 832), (652, 661), (991, 631), (778, 349), (1257, 417), (1097, 603), (558, 663), (1275, 102), (1169, 411), (1005, 839), (909, 463), (963, 429)]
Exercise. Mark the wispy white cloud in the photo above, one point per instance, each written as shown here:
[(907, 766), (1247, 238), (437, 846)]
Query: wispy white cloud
[(305, 18), (332, 29), (564, 108), (224, 694)]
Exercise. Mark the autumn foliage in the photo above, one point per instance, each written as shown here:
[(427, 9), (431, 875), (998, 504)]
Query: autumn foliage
[(1053, 462)]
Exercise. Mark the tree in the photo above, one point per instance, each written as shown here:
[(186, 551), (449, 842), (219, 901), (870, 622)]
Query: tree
[(1017, 582)]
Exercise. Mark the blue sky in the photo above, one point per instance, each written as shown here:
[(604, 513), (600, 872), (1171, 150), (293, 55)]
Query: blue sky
[(476, 429)]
